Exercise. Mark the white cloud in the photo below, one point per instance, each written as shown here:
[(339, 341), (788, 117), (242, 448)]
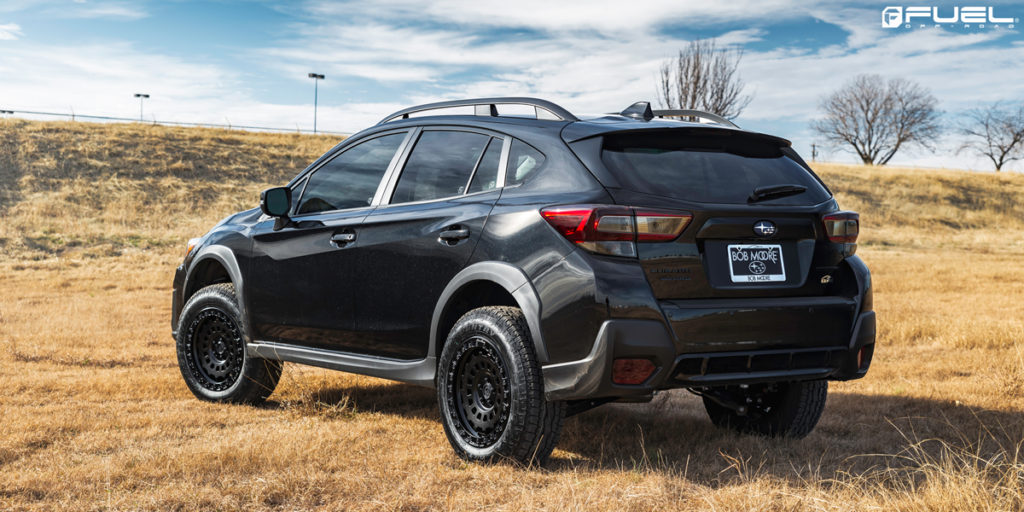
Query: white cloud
[(9, 32), (603, 16), (80, 9), (116, 10), (600, 71)]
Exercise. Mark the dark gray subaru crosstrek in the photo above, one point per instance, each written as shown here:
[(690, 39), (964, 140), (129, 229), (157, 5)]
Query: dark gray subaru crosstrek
[(532, 268)]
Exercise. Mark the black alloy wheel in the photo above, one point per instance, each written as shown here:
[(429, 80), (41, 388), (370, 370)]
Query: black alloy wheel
[(217, 349), (480, 390)]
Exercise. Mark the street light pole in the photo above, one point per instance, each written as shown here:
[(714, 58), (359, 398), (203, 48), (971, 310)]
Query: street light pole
[(316, 80), (141, 97)]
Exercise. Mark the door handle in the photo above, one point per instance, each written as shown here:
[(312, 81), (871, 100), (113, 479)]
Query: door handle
[(453, 235), (340, 239)]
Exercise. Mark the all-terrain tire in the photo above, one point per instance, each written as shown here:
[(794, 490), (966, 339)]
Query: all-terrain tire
[(786, 409), (491, 392), (212, 356)]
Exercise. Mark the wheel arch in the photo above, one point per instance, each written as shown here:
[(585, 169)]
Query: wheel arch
[(211, 265), (488, 283)]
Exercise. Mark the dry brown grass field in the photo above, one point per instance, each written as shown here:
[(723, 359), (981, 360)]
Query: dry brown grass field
[(94, 414)]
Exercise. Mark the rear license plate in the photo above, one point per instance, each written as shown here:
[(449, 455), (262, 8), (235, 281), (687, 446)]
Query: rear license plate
[(756, 264)]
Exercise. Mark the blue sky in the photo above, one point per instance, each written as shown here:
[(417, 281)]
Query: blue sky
[(246, 62)]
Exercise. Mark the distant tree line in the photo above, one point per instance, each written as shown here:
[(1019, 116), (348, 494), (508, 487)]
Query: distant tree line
[(871, 116)]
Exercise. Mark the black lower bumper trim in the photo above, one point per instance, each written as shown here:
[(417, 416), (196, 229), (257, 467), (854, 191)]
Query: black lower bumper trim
[(758, 366)]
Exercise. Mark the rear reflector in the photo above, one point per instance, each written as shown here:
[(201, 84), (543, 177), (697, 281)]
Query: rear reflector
[(864, 356), (614, 229), (632, 371), (842, 227)]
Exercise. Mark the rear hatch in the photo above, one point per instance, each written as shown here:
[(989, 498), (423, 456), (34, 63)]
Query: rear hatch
[(755, 249)]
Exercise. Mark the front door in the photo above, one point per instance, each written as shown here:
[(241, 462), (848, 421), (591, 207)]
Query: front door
[(301, 286)]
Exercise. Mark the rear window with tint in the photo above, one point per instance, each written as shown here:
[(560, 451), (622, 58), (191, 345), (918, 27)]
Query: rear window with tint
[(721, 168), (440, 166)]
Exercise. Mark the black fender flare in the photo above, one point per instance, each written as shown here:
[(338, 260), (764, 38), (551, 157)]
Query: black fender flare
[(227, 259), (509, 277), (864, 291)]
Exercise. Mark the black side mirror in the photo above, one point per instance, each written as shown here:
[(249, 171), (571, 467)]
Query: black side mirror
[(276, 202)]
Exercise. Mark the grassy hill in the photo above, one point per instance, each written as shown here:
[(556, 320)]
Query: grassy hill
[(95, 414), (69, 189)]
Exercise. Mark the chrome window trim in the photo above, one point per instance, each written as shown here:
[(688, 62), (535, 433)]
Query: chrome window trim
[(435, 200), (503, 162), (476, 166)]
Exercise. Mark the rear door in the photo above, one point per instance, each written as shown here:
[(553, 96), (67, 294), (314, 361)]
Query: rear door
[(302, 283), (424, 234)]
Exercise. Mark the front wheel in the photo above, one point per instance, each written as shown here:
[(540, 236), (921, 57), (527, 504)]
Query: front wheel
[(783, 409), (491, 392), (212, 353)]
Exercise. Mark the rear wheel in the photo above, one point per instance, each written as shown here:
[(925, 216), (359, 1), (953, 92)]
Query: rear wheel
[(784, 409), (490, 390), (212, 354)]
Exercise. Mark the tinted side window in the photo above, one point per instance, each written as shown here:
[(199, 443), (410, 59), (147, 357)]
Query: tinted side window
[(523, 161), (351, 178), (486, 175), (439, 166)]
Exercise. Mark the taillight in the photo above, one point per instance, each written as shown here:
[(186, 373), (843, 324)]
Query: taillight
[(660, 226), (613, 229), (842, 227)]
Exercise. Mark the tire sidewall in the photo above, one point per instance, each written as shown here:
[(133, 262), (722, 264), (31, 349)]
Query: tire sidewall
[(482, 326), (210, 298)]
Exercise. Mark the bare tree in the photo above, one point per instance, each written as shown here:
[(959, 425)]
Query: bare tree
[(704, 77), (995, 131), (876, 117)]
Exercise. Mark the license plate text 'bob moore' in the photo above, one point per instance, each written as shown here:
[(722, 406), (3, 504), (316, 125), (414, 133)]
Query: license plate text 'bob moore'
[(756, 264)]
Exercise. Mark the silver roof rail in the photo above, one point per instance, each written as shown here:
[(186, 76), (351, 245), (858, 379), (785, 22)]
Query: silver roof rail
[(489, 107), (699, 114)]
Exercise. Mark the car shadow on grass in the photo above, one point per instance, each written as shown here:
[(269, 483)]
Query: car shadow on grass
[(857, 434), (673, 436), (389, 398)]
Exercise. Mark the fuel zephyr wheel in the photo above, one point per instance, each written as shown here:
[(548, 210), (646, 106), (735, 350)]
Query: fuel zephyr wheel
[(211, 350), (479, 390), (217, 349), (490, 390)]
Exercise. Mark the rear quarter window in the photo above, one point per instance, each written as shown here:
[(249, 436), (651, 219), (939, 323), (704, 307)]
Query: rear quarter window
[(712, 169), (523, 162)]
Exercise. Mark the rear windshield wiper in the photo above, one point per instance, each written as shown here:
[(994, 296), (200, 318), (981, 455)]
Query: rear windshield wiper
[(775, 191)]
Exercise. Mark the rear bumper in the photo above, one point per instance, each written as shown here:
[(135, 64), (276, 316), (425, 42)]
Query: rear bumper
[(676, 366), (726, 325), (836, 362)]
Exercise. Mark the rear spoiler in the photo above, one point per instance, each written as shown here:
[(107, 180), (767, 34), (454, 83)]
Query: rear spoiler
[(575, 132)]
